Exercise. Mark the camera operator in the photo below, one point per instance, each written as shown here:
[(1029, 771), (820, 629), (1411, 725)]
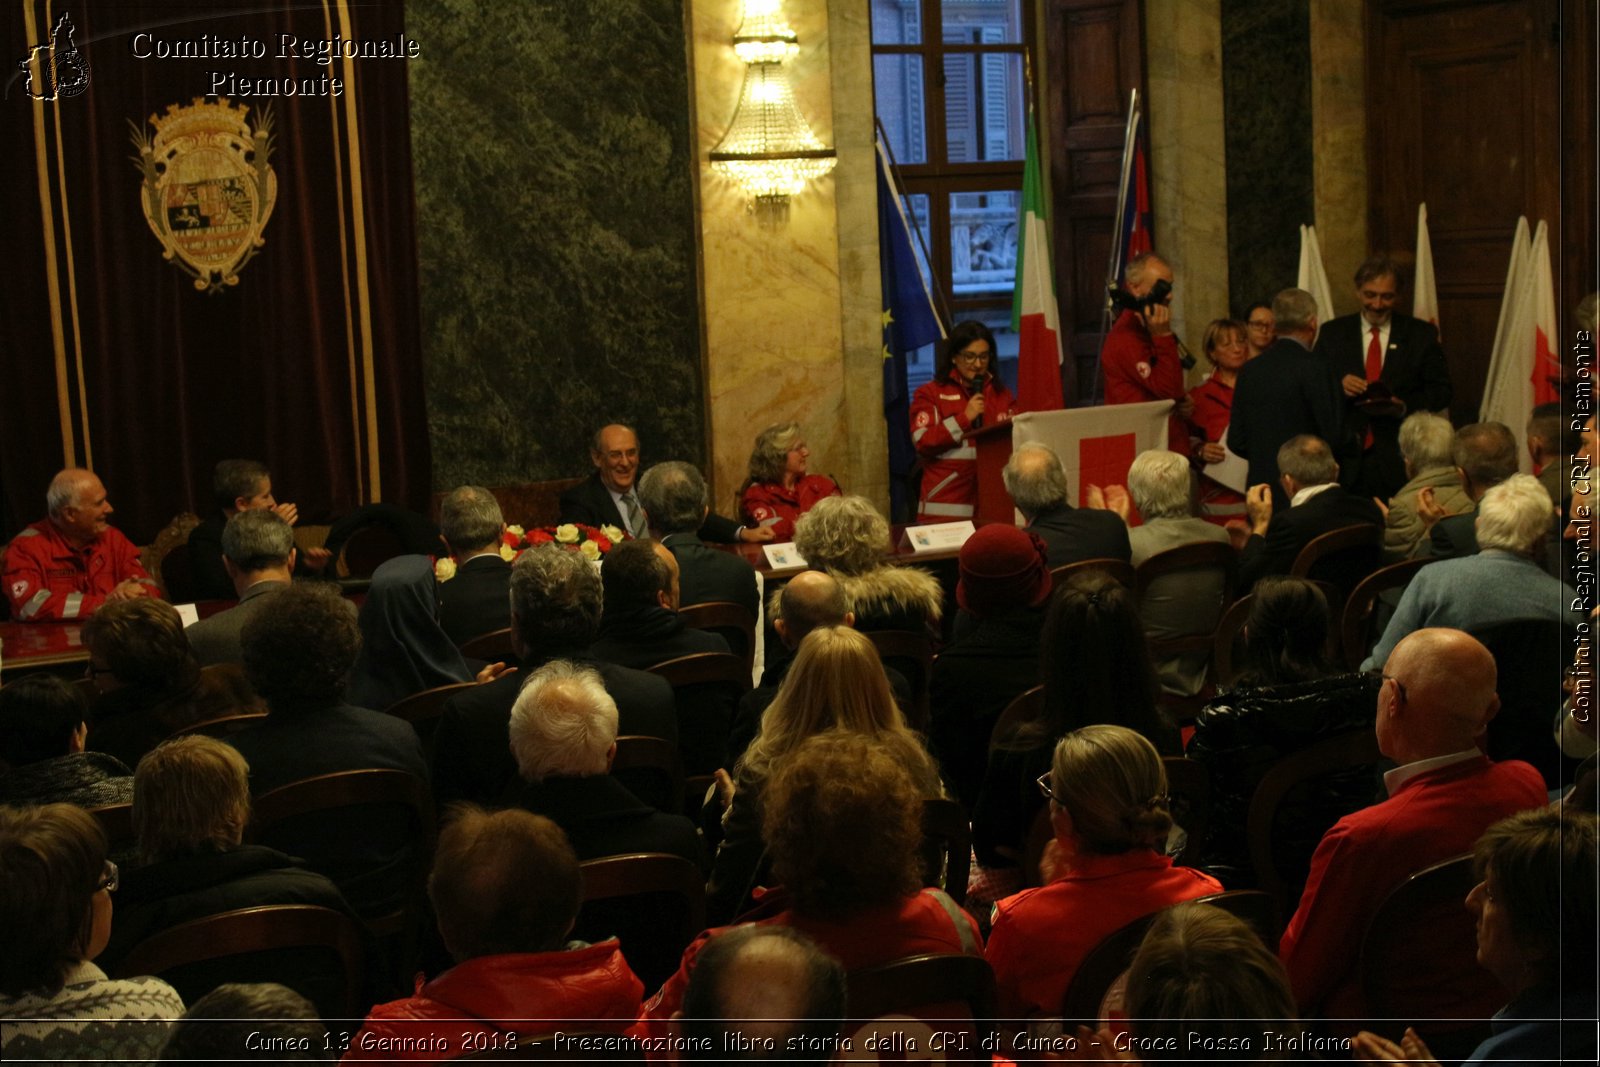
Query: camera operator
[(1142, 358)]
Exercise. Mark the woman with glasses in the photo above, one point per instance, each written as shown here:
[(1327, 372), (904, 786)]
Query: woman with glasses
[(1107, 791), (780, 489), (1260, 329), (55, 909), (1226, 348), (964, 395)]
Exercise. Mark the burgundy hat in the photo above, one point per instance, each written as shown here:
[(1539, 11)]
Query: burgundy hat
[(1002, 568)]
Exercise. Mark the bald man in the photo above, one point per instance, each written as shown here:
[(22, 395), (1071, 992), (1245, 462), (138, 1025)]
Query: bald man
[(63, 567), (1435, 703), (764, 993)]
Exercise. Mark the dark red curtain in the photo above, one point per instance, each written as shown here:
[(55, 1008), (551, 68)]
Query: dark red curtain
[(110, 355)]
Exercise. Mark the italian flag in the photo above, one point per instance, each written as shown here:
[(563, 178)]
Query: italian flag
[(1035, 318)]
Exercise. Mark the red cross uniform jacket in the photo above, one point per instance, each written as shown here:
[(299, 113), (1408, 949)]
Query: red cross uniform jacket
[(770, 504), (939, 428), (48, 580)]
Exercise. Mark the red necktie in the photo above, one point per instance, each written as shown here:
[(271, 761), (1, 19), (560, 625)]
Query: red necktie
[(1374, 372)]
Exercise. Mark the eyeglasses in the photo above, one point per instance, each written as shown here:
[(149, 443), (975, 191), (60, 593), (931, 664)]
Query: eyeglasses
[(1398, 684), (109, 878), (972, 357), (1259, 325), (1043, 782)]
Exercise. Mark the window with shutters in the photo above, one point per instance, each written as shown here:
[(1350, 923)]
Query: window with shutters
[(949, 91)]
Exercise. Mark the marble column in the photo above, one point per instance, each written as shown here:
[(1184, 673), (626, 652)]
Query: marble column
[(1339, 141)]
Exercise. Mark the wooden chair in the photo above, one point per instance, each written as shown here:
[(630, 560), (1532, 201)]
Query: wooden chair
[(1189, 786), (422, 710), (1120, 569), (1354, 748), (258, 945), (912, 986), (492, 647), (729, 619), (1253, 907), (706, 687), (1356, 636), (1343, 557), (653, 901), (1023, 708), (910, 653), (1226, 647), (947, 847), (1202, 556), (117, 822), (177, 575), (223, 725), (153, 557), (367, 549), (1208, 555), (651, 769)]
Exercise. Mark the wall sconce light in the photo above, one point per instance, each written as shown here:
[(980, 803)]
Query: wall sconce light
[(769, 149)]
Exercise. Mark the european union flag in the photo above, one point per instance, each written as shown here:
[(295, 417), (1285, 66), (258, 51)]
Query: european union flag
[(909, 322)]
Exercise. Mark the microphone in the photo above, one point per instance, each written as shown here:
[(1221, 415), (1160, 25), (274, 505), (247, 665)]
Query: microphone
[(979, 380)]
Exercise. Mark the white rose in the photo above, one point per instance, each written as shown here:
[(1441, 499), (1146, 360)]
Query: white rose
[(567, 533)]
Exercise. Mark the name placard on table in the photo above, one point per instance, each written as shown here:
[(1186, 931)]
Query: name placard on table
[(784, 556), (937, 537)]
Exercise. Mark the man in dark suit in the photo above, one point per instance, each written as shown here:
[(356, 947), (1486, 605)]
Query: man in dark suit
[(258, 554), (239, 485), (477, 599), (607, 497), (1285, 391), (674, 498), (1038, 485), (1387, 366), (1317, 505), (555, 614)]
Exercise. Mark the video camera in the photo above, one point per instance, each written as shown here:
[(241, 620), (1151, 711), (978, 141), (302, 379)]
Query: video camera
[(1126, 301)]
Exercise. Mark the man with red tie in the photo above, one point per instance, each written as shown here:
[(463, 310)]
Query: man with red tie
[(1387, 365)]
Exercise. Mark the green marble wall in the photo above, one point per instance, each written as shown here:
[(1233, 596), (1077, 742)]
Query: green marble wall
[(1266, 95), (555, 232)]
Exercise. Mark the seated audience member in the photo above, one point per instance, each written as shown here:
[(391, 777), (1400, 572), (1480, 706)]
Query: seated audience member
[(778, 490), (258, 553), (505, 890), (66, 565), (1002, 590), (674, 497), (43, 729), (1485, 455), (555, 614), (1038, 484), (1551, 443), (836, 686), (1288, 695), (1318, 504), (1227, 346), (843, 819), (476, 599), (55, 906), (191, 803), (238, 486), (1095, 667), (403, 650), (237, 1017), (846, 537), (1437, 697), (607, 497), (1182, 604), (641, 628), (1108, 800), (564, 737), (1425, 443), (1202, 979), (148, 680), (297, 656), (1535, 911), (1502, 582), (760, 987)]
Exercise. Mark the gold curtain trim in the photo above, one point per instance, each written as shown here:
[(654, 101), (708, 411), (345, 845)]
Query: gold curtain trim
[(72, 278), (363, 294), (344, 274)]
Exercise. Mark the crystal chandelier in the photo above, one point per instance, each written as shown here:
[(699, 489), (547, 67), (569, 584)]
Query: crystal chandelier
[(769, 149)]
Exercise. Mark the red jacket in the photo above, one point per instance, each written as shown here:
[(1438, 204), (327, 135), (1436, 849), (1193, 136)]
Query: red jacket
[(478, 1002), (770, 504), (48, 580), (949, 465), (1140, 368), (1041, 935)]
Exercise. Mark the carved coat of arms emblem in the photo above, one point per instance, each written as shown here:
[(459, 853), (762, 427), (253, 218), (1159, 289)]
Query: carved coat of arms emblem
[(208, 189)]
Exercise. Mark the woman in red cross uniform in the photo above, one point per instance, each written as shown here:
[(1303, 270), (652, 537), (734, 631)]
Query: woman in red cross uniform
[(780, 489), (1226, 347), (963, 396)]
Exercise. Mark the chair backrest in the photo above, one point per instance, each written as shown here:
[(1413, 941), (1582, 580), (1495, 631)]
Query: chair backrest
[(1209, 555), (177, 574), (222, 726), (422, 710), (706, 688), (367, 549), (492, 647), (1024, 707), (117, 822), (702, 668), (1225, 649), (1189, 785), (1356, 629), (1354, 748), (653, 901), (1120, 569), (915, 984), (257, 932), (1531, 657), (1342, 557), (651, 769), (1101, 967), (724, 616), (947, 839), (1387, 951), (1253, 907), (911, 653)]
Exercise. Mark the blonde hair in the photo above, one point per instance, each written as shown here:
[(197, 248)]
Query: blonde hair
[(190, 793), (770, 455), (836, 683), (1112, 783), (842, 533)]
